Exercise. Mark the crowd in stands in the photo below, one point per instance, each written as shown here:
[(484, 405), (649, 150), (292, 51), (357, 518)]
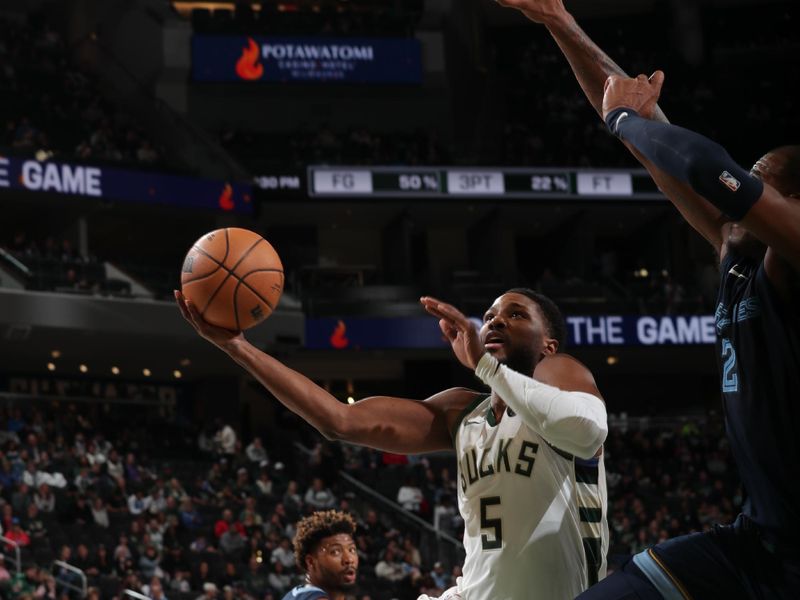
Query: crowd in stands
[(356, 18), (326, 145), (55, 264), (53, 109), (550, 122), (78, 487), (158, 508)]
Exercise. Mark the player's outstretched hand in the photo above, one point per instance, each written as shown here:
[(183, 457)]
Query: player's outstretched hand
[(216, 335), (641, 94), (539, 11), (458, 329)]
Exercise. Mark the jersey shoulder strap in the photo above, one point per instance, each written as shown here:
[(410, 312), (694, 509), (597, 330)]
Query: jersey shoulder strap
[(464, 413)]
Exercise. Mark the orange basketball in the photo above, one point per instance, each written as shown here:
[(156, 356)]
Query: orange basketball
[(234, 277)]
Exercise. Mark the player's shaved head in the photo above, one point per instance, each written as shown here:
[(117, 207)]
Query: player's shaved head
[(781, 169)]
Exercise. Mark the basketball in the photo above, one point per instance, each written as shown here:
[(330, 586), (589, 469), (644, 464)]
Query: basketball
[(234, 277)]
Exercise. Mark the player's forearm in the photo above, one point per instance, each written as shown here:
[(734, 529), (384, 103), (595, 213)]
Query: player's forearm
[(706, 219), (294, 390), (575, 422), (590, 65)]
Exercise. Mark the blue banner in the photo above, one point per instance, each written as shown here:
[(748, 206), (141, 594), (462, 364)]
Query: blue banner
[(129, 185), (423, 332), (294, 59)]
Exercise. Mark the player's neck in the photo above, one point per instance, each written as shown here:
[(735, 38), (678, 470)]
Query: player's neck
[(498, 407)]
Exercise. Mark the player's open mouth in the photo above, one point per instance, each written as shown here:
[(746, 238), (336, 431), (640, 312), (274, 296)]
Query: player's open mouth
[(493, 342), (349, 575)]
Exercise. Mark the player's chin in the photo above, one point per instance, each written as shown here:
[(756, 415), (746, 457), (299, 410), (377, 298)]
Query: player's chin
[(498, 351)]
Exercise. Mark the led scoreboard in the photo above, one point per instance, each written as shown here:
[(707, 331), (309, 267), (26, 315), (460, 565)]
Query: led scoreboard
[(478, 182)]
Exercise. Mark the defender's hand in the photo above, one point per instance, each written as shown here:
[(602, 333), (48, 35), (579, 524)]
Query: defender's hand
[(218, 336), (458, 329), (641, 94)]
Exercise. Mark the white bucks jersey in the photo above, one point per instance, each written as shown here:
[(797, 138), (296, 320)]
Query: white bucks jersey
[(535, 517)]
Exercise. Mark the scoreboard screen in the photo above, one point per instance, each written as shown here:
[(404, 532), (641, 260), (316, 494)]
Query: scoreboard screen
[(477, 182)]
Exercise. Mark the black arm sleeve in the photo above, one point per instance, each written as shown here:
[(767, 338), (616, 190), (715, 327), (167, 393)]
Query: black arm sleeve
[(694, 159)]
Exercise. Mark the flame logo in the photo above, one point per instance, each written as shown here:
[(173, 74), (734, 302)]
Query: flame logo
[(226, 198), (338, 338), (248, 67)]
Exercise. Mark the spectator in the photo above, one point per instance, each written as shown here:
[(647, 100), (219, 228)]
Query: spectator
[(319, 497), (278, 579), (227, 522), (154, 590), (122, 552), (446, 515), (255, 580), (83, 480), (100, 513), (411, 553), (390, 569), (83, 561), (34, 524), (32, 476), (80, 512), (210, 592), (189, 516), (292, 501), (440, 576), (409, 496), (103, 562), (20, 500), (263, 484), (146, 153), (232, 541), (256, 453), (17, 535), (230, 575), (225, 439), (180, 583), (176, 490), (283, 554), (242, 488), (149, 563), (138, 503), (133, 473), (157, 500), (115, 468), (63, 574)]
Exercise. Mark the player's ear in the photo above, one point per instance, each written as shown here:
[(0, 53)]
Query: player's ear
[(550, 346)]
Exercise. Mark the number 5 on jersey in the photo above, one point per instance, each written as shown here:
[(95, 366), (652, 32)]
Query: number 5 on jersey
[(494, 541)]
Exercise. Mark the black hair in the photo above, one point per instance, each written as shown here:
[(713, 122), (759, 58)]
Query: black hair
[(787, 178), (314, 528), (556, 326)]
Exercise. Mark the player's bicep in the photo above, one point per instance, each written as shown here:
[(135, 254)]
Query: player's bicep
[(775, 220), (400, 425)]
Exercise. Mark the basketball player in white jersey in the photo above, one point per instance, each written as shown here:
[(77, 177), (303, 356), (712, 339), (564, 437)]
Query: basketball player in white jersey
[(532, 483)]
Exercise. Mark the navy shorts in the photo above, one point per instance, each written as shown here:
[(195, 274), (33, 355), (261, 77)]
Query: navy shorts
[(731, 562)]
